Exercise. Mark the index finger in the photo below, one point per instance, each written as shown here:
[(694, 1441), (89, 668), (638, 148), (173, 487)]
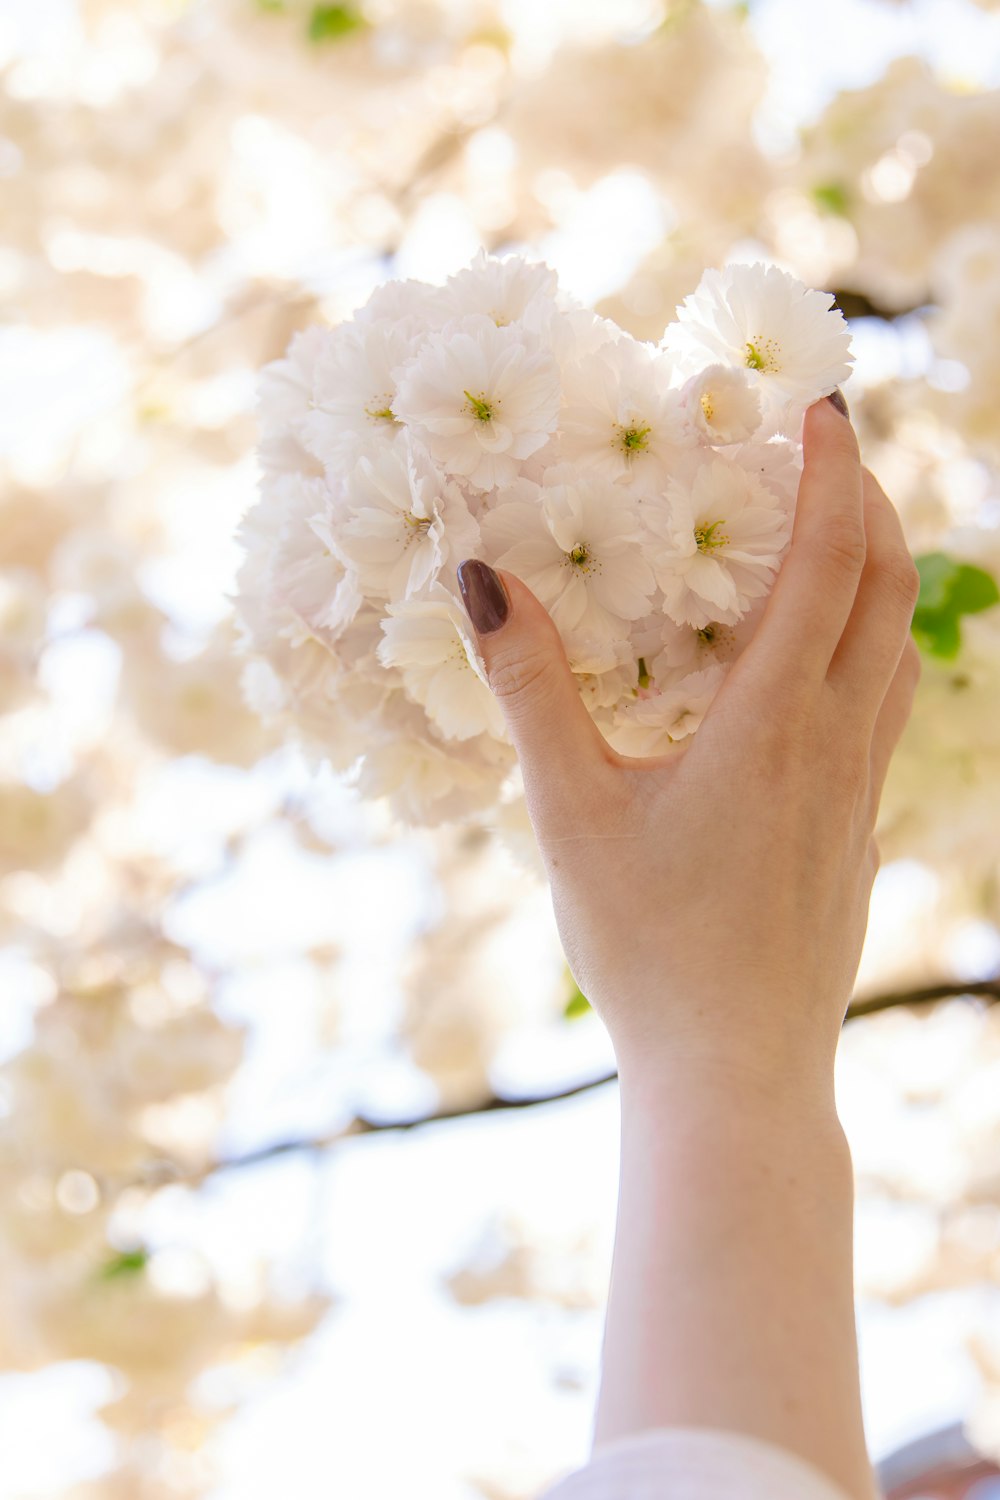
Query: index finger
[(814, 593)]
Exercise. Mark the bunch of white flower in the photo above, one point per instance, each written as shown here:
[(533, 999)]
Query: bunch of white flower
[(644, 492)]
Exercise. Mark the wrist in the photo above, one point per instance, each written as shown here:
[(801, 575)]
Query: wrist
[(729, 1120), (749, 1083)]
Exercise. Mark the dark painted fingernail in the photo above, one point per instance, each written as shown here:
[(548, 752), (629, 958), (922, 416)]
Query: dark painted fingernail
[(836, 398), (484, 595)]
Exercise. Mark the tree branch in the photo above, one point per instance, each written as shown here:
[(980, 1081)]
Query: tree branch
[(859, 305), (981, 989), (985, 989)]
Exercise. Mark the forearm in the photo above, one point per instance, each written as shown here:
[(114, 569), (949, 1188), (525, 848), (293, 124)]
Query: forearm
[(731, 1300)]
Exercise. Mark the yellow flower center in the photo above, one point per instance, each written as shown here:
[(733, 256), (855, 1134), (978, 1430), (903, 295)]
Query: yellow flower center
[(707, 406), (482, 409), (707, 539), (381, 410), (763, 354), (417, 527), (631, 439)]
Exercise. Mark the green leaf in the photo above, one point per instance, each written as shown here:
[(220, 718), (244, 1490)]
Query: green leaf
[(936, 573), (948, 590), (128, 1263), (277, 6), (331, 23), (576, 1005), (937, 632), (973, 590), (833, 196)]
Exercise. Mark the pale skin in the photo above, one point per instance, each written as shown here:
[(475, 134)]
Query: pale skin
[(712, 903)]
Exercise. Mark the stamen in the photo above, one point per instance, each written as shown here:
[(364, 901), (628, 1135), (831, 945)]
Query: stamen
[(481, 408), (715, 635), (706, 538), (763, 354), (633, 439), (383, 413)]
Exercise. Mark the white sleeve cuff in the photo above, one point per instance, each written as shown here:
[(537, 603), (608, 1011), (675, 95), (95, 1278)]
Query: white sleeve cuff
[(695, 1463)]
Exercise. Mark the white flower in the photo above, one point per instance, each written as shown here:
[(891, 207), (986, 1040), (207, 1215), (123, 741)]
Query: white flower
[(722, 405), (503, 289), (426, 781), (612, 660), (724, 535), (687, 648), (284, 385), (429, 640), (482, 398), (620, 418), (654, 721), (578, 547), (777, 464), (284, 399), (354, 391), (575, 332), (400, 521), (416, 302), (606, 688), (761, 319), (644, 493), (292, 585)]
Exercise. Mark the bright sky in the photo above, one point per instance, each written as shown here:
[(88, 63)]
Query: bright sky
[(399, 1392)]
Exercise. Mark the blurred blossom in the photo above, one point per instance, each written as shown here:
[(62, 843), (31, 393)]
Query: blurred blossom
[(206, 939)]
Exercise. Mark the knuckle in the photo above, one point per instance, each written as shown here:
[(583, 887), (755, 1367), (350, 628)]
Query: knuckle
[(900, 578), (516, 674), (841, 545)]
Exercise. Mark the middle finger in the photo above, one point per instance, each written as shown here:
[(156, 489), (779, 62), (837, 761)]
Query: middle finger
[(868, 654)]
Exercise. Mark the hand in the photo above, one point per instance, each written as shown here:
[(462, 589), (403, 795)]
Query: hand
[(712, 902)]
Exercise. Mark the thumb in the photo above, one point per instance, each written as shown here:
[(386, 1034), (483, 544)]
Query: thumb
[(556, 740)]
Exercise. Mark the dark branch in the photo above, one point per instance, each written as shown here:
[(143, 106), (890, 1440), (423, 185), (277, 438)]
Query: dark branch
[(981, 989), (985, 989), (857, 305)]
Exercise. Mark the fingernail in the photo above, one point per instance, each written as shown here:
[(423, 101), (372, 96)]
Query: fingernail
[(836, 398), (484, 595)]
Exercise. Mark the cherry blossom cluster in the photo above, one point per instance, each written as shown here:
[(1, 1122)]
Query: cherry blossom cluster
[(645, 493)]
